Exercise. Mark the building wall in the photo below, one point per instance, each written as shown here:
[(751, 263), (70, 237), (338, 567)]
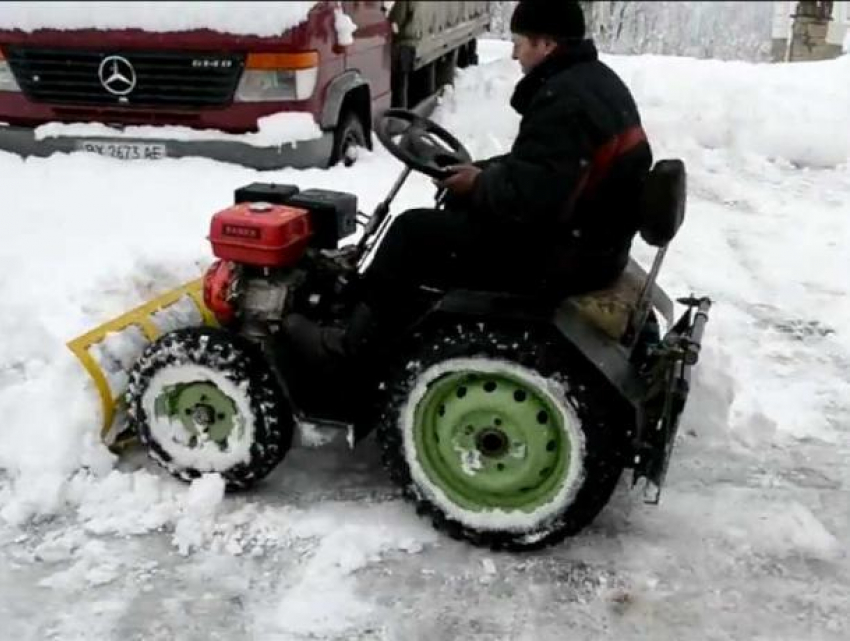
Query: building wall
[(812, 39)]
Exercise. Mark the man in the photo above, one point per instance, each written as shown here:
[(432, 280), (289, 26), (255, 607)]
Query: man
[(556, 215), (570, 184)]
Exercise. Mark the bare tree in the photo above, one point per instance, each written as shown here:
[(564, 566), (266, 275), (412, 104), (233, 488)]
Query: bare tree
[(727, 30)]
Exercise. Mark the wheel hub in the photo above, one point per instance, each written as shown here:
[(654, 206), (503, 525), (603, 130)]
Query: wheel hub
[(491, 441), (203, 415), (202, 410)]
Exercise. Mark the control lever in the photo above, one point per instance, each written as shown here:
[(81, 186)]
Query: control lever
[(380, 215)]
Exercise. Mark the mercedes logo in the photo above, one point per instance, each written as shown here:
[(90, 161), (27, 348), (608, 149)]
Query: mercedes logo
[(117, 75)]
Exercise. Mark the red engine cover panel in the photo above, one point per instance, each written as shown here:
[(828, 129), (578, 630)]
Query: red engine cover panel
[(260, 234)]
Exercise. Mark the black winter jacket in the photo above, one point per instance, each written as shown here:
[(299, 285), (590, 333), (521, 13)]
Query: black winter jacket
[(568, 190)]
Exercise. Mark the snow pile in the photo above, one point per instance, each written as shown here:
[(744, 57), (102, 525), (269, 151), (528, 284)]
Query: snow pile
[(243, 18), (322, 601), (494, 134), (273, 130), (345, 28), (793, 112), (201, 503), (134, 231)]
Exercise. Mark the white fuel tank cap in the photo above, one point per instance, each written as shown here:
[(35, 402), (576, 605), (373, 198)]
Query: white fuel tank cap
[(260, 207)]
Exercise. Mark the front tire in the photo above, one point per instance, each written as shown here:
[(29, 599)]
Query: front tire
[(204, 401), (349, 139), (500, 435)]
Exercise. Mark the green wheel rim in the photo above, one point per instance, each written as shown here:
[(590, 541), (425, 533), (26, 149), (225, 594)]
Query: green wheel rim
[(202, 409), (491, 441)]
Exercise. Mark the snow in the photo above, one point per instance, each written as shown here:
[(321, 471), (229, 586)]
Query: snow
[(740, 107), (324, 602), (276, 129), (345, 28), (749, 540), (243, 18), (198, 514)]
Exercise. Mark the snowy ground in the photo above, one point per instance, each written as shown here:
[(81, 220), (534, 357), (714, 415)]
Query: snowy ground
[(750, 540)]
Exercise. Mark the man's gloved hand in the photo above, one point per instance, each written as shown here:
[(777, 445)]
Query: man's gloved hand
[(462, 180)]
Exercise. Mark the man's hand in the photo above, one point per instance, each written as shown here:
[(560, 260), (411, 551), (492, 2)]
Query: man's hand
[(460, 183)]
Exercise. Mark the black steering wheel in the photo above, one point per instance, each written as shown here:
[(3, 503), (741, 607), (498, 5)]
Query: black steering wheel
[(419, 143)]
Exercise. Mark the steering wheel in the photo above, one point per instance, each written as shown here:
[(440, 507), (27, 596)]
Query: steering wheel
[(422, 144)]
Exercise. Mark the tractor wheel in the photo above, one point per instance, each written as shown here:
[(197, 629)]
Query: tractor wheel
[(204, 401), (500, 436)]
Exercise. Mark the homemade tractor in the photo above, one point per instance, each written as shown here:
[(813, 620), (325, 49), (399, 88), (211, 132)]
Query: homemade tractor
[(507, 419)]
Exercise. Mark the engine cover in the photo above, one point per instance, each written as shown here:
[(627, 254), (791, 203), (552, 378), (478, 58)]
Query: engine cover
[(261, 234)]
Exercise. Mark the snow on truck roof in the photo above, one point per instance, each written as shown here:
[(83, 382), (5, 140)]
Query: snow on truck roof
[(242, 18)]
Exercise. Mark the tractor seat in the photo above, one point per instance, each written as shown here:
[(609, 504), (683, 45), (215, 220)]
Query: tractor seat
[(661, 209), (610, 309), (661, 213)]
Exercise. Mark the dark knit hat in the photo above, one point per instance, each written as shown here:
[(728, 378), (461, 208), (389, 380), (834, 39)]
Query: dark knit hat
[(558, 19)]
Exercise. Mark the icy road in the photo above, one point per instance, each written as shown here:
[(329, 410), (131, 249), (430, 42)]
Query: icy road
[(750, 540)]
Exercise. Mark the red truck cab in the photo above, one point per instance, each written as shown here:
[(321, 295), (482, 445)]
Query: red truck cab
[(133, 83)]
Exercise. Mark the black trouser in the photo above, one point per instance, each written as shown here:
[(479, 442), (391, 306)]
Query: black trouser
[(449, 249), (446, 249)]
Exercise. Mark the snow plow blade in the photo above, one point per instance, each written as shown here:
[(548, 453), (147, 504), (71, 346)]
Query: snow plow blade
[(109, 351)]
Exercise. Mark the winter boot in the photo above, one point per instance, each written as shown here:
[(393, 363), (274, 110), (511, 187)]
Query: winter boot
[(323, 364), (326, 350)]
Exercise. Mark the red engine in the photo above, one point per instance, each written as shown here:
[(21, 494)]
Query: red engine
[(260, 239), (261, 234), (218, 287)]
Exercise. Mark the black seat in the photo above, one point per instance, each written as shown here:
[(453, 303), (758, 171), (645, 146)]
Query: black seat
[(662, 212), (662, 203)]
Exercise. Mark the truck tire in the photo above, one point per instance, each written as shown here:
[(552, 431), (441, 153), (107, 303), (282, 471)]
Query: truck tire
[(499, 436), (473, 53), (468, 55), (204, 401), (349, 138)]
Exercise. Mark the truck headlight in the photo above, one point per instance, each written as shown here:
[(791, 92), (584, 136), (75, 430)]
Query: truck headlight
[(7, 78), (278, 76)]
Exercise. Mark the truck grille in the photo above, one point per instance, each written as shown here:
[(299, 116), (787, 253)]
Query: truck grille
[(162, 79)]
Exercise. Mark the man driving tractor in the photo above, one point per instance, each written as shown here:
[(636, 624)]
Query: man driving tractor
[(556, 215)]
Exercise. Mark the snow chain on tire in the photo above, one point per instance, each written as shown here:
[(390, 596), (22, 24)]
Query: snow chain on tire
[(603, 436), (241, 365)]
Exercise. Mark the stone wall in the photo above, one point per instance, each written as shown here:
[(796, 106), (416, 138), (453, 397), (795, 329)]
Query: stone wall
[(808, 40)]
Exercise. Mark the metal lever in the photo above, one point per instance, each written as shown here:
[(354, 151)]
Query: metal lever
[(380, 216)]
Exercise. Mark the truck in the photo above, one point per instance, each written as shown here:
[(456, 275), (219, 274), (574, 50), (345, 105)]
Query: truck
[(304, 97)]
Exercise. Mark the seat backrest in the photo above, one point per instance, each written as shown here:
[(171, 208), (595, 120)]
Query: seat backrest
[(662, 202)]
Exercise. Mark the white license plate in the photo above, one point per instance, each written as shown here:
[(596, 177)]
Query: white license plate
[(124, 150)]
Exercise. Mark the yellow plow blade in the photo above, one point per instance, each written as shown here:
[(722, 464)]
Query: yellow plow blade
[(109, 351)]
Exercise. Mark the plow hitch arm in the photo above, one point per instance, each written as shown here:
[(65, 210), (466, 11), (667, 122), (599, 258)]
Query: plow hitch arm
[(669, 384)]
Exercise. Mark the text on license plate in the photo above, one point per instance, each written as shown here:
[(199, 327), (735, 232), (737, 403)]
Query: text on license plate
[(124, 150)]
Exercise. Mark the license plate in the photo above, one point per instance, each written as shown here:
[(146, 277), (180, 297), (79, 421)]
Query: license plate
[(124, 150)]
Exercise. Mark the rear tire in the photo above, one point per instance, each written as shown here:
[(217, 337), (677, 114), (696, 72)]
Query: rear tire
[(202, 401), (500, 436)]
